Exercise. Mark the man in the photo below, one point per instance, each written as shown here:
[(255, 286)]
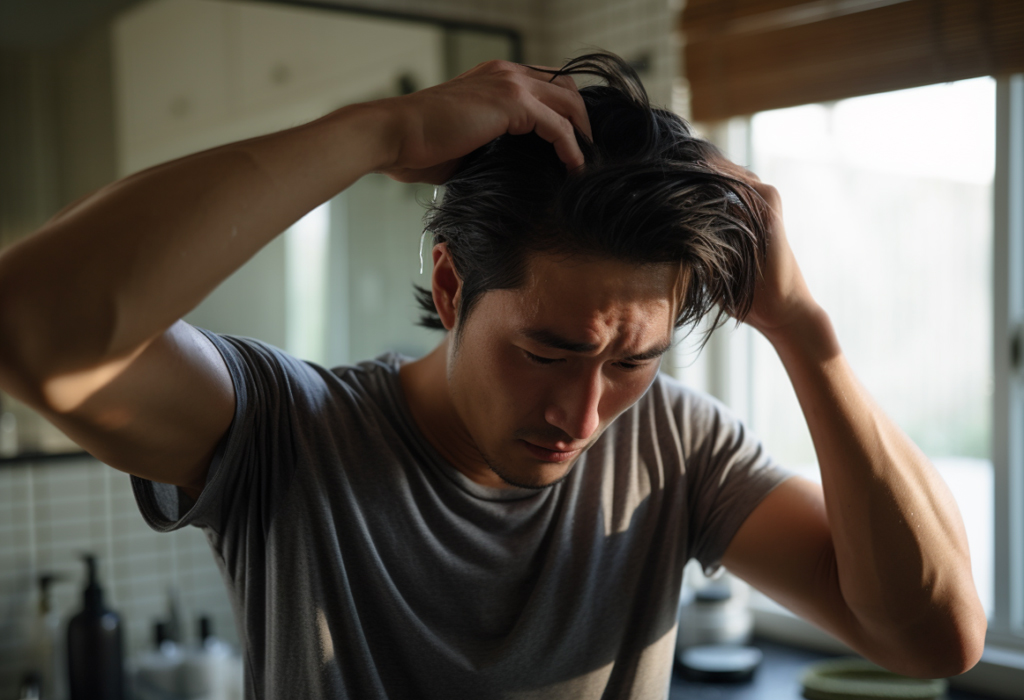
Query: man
[(509, 515)]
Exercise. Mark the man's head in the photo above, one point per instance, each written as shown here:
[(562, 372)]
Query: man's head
[(562, 289), (650, 192), (543, 368)]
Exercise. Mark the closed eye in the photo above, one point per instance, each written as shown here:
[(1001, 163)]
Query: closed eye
[(537, 359)]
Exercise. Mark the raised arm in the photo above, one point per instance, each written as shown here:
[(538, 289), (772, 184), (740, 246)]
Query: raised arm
[(877, 555), (90, 304)]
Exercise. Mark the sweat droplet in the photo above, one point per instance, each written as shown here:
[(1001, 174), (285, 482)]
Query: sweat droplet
[(422, 235)]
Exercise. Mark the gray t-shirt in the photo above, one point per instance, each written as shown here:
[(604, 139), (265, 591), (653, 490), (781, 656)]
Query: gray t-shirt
[(360, 564)]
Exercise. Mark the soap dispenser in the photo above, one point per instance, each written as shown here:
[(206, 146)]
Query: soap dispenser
[(95, 646), (48, 655)]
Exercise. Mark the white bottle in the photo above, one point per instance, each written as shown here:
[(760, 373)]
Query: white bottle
[(208, 668), (49, 652), (236, 678), (158, 673), (713, 611)]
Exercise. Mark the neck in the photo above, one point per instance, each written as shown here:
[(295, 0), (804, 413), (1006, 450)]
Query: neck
[(425, 386)]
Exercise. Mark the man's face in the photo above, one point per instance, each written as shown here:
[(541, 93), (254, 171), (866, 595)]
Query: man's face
[(540, 371)]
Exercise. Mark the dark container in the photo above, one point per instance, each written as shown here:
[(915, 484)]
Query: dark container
[(95, 646)]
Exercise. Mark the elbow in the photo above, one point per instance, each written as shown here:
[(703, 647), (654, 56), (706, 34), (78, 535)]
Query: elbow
[(962, 625), (9, 352), (948, 645), (965, 646), (14, 315), (16, 375), (23, 355), (46, 331)]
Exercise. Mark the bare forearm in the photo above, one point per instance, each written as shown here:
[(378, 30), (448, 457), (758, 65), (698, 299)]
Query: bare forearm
[(900, 546), (102, 279)]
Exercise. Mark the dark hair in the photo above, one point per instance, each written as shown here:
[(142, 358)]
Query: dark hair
[(647, 193)]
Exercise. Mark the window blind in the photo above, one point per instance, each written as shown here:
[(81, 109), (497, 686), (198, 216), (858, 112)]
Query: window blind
[(744, 56)]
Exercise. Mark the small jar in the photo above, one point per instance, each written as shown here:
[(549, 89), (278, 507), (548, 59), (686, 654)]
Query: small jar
[(714, 615)]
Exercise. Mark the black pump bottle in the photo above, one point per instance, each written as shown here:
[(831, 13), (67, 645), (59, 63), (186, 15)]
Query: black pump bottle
[(95, 651)]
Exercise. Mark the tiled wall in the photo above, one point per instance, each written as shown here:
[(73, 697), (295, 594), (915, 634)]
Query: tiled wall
[(50, 512)]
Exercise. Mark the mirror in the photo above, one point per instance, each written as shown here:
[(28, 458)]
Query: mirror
[(165, 78)]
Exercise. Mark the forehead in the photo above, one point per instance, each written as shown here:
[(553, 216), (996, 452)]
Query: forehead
[(593, 300)]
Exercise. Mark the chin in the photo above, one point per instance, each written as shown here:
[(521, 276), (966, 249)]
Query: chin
[(533, 476)]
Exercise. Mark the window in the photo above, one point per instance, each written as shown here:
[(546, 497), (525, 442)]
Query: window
[(905, 212), (888, 208)]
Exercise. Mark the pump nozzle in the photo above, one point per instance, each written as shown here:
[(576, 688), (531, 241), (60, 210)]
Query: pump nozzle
[(92, 595)]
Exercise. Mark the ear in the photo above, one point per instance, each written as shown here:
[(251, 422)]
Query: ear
[(445, 286)]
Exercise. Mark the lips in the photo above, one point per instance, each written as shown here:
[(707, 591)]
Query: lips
[(546, 454)]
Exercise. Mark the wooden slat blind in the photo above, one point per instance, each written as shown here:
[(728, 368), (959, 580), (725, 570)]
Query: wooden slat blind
[(744, 56)]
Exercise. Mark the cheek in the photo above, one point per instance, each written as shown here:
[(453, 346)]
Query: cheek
[(519, 386), (521, 392), (502, 391)]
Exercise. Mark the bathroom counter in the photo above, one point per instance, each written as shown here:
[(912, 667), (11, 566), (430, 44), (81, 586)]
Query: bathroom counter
[(778, 678)]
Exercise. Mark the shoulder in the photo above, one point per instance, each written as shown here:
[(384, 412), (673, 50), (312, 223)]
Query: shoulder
[(264, 372), (668, 394), (696, 417)]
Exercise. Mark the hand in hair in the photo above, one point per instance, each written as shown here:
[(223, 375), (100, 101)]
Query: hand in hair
[(437, 126), (782, 296)]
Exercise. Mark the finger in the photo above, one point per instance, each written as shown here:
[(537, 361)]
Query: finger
[(748, 173), (736, 170), (561, 93), (554, 128), (568, 103)]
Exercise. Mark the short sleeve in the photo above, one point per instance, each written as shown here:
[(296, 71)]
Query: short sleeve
[(728, 473), (274, 393)]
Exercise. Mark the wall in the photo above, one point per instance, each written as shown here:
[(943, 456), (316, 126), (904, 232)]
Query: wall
[(556, 30), (56, 136), (49, 512), (634, 29), (523, 15)]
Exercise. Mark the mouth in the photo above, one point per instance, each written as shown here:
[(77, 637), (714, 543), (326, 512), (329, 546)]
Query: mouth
[(545, 454)]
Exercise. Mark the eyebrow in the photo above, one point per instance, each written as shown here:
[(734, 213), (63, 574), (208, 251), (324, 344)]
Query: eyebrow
[(553, 340)]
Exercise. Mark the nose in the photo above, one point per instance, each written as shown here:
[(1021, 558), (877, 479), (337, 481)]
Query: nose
[(575, 409)]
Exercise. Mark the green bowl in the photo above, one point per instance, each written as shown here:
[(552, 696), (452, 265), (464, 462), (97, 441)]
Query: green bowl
[(857, 679)]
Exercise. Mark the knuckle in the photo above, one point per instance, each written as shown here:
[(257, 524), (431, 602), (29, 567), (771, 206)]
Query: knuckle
[(498, 65), (768, 192), (581, 106), (566, 81), (514, 90)]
